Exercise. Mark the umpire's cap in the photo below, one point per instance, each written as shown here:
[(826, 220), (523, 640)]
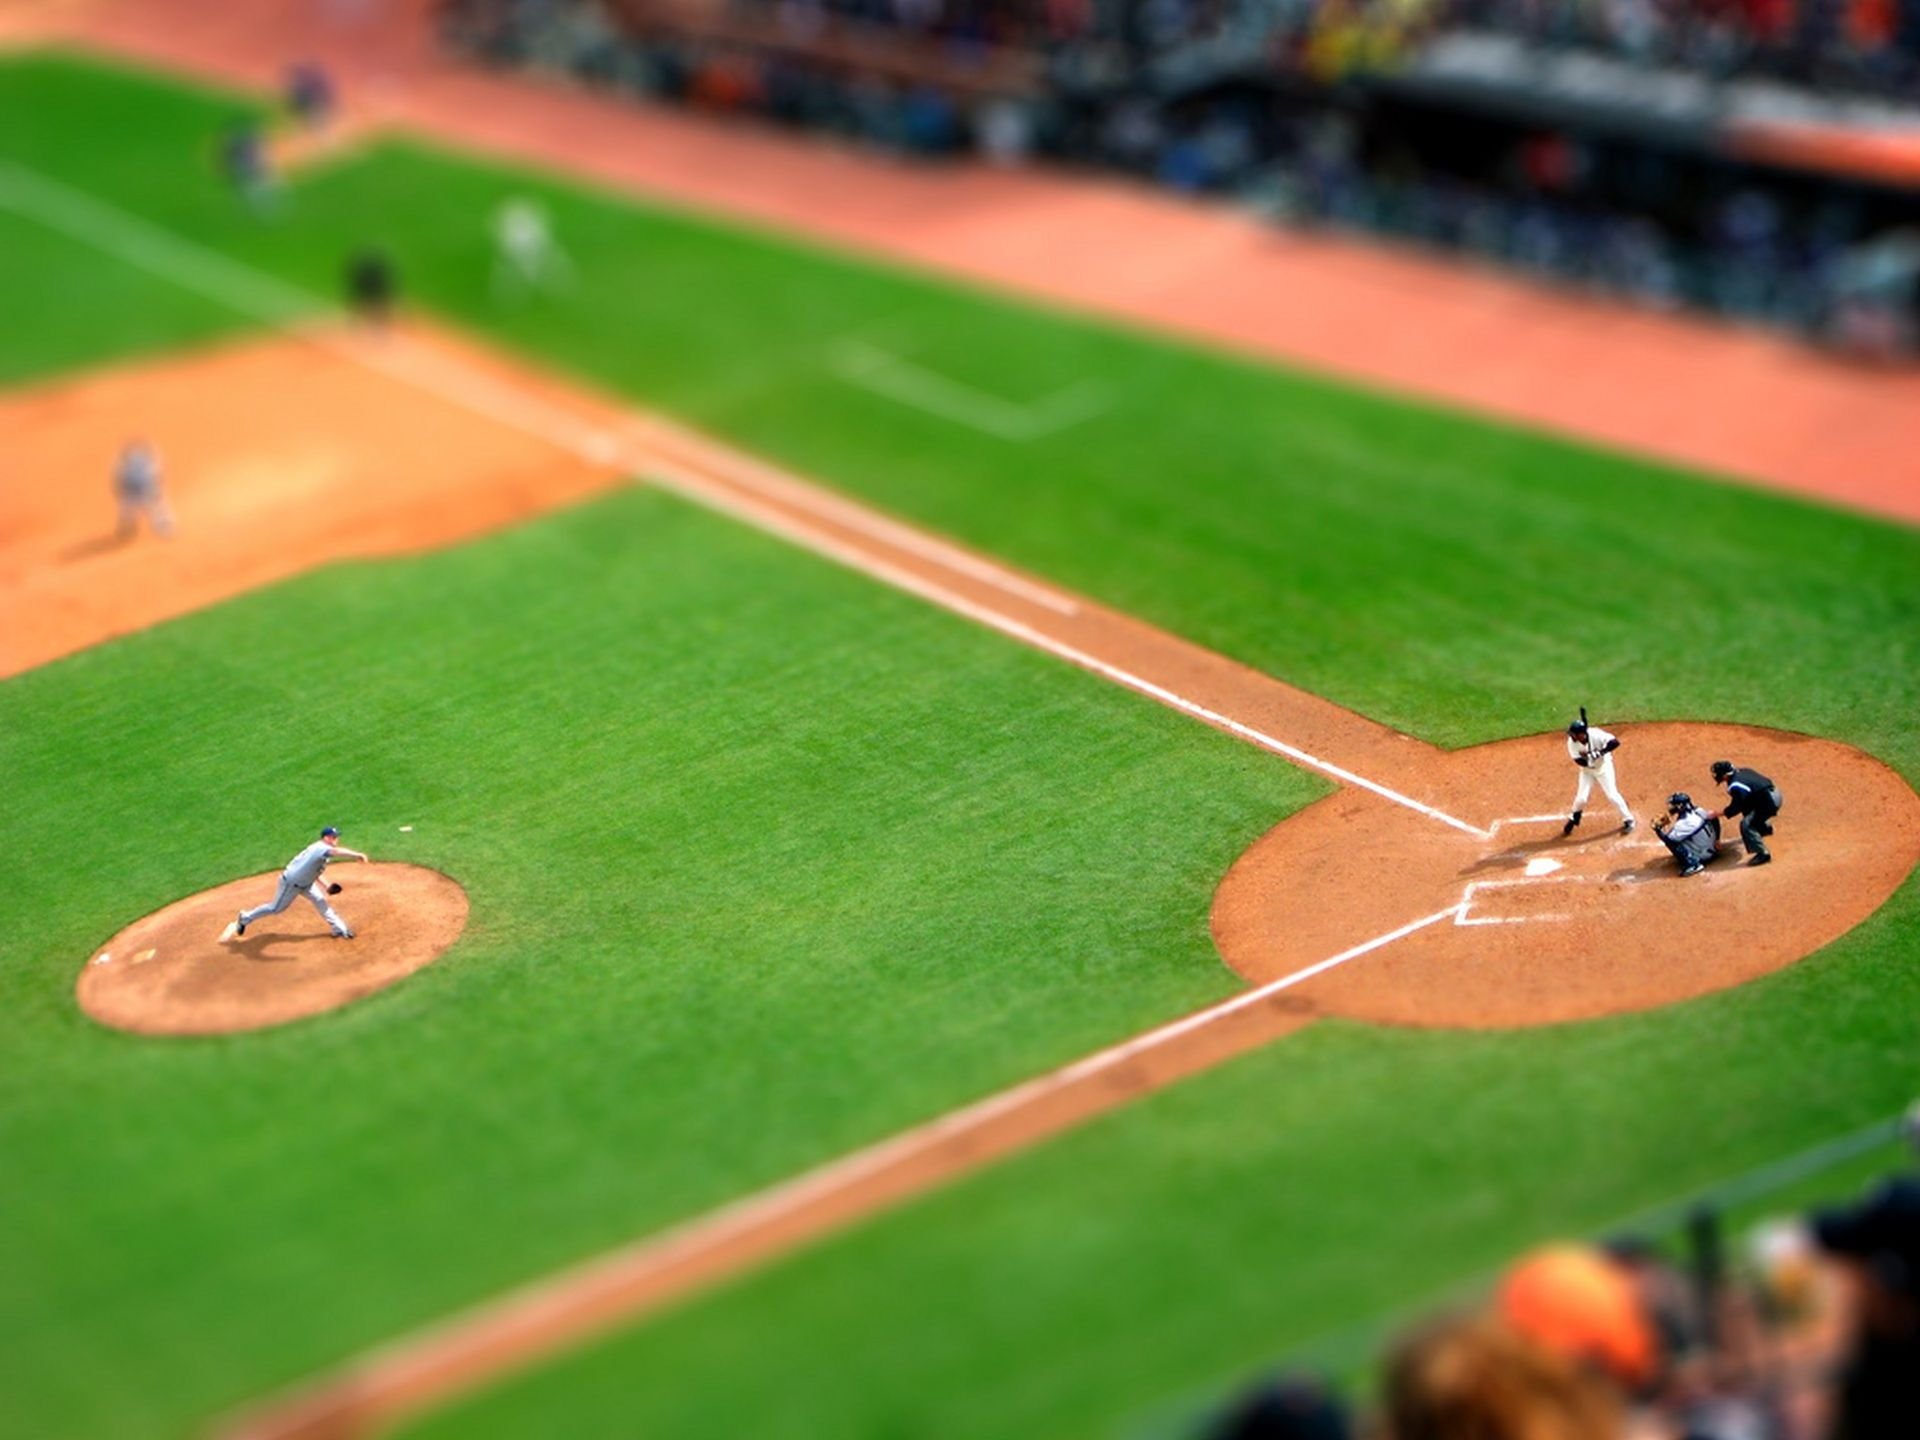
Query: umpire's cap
[(1722, 769)]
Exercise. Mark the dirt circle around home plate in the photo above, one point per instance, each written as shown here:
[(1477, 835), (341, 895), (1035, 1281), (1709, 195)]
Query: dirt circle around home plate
[(1526, 927), (170, 973)]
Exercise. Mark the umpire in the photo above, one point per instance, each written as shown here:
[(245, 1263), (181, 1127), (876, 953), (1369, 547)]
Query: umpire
[(1755, 799)]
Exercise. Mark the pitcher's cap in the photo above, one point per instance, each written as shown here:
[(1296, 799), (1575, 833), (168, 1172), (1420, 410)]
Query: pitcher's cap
[(331, 830)]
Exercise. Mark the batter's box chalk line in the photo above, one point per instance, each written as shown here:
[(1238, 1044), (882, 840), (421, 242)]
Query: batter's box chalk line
[(1463, 912)]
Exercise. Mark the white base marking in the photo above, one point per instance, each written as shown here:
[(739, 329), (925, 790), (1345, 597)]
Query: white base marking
[(105, 227), (896, 378), (103, 957), (1541, 865)]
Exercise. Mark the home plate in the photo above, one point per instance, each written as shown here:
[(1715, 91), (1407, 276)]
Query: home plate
[(1543, 866)]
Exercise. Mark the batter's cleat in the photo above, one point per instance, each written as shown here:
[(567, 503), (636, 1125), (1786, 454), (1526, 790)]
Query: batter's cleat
[(343, 934), (1567, 829), (1692, 868), (1763, 858), (1626, 827)]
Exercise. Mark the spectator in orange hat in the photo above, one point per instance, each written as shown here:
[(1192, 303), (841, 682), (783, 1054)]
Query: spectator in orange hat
[(1580, 1304)]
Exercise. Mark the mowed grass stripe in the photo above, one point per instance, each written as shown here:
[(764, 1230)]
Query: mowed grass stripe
[(766, 863), (1460, 580), (1185, 1244)]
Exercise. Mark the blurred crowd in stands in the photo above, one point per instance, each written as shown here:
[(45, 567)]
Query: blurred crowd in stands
[(1870, 46), (1813, 1334), (1296, 107)]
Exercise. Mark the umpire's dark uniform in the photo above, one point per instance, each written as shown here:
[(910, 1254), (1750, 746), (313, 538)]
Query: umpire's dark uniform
[(1756, 800)]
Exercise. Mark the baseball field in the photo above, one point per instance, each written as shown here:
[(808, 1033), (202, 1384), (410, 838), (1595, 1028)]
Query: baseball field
[(839, 696)]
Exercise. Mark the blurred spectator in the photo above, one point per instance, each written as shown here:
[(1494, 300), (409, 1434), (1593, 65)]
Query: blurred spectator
[(1288, 1409), (1877, 1244), (1469, 1377), (1580, 1304), (1279, 102)]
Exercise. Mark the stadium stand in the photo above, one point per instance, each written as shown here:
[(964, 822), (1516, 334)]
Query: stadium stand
[(1750, 159)]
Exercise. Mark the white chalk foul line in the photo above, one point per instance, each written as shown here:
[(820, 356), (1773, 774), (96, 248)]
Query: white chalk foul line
[(414, 1372), (95, 223), (684, 482)]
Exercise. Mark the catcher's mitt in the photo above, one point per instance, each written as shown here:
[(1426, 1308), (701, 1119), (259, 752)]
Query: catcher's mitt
[(335, 889)]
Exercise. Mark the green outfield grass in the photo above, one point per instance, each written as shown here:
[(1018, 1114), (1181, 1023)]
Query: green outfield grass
[(863, 861), (765, 863)]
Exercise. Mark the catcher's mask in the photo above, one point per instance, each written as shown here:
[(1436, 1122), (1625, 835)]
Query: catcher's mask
[(1679, 803)]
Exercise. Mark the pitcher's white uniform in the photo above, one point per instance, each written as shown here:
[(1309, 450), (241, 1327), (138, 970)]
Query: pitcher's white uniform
[(302, 877), (1593, 754)]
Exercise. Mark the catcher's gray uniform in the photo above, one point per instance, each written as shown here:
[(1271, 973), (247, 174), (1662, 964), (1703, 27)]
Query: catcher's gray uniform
[(1693, 837), (302, 877)]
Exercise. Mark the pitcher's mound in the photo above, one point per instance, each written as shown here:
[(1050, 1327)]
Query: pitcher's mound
[(171, 974)]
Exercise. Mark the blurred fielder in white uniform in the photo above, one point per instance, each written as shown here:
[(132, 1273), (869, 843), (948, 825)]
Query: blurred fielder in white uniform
[(302, 877), (1591, 748), (136, 485), (526, 256)]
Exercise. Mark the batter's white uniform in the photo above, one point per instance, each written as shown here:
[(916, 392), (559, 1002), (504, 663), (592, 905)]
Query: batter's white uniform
[(302, 877), (1598, 770)]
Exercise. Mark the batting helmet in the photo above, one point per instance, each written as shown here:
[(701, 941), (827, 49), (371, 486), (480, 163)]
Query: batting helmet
[(1721, 770), (1577, 729)]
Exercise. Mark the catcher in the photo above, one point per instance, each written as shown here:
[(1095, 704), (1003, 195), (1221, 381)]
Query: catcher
[(1692, 834)]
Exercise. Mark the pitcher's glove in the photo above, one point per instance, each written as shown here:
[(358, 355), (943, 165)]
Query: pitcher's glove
[(335, 889)]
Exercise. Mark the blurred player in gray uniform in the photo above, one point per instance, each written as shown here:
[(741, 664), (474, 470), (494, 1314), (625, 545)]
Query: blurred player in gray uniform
[(136, 485), (302, 877), (1591, 748)]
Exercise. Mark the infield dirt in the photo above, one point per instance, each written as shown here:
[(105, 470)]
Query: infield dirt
[(170, 973), (281, 454)]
